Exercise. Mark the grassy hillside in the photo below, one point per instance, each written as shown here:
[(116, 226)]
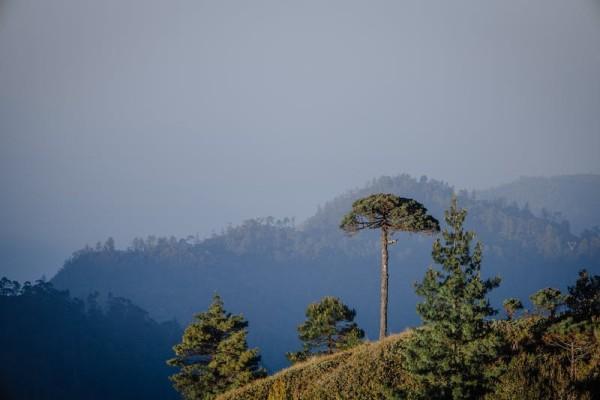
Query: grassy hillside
[(369, 371), (531, 365)]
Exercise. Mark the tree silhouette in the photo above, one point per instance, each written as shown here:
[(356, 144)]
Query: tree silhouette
[(389, 213)]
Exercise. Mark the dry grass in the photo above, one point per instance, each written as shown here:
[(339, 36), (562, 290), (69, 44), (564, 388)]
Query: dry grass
[(369, 371)]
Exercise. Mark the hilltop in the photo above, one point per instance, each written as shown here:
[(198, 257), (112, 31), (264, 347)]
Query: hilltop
[(369, 371)]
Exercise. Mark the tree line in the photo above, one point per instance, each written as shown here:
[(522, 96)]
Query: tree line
[(58, 347)]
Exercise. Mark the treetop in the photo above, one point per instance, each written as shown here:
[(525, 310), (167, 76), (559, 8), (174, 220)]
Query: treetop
[(391, 212)]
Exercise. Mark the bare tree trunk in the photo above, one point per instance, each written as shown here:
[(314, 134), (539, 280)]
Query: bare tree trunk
[(384, 284)]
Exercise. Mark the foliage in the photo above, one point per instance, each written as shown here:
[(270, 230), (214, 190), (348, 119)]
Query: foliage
[(552, 356), (213, 355), (274, 268), (535, 361), (547, 300), (584, 298), (329, 327), (511, 306), (368, 371), (389, 213), (450, 353), (58, 347)]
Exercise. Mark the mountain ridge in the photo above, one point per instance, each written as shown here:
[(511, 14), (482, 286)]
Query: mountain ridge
[(272, 267)]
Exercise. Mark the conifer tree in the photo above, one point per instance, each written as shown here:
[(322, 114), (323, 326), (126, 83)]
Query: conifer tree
[(329, 327), (584, 298), (449, 353), (213, 355), (390, 214), (511, 306), (547, 300)]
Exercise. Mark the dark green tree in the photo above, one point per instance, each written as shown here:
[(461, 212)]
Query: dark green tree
[(448, 355), (213, 355), (511, 306), (329, 327), (547, 300), (584, 298), (390, 214)]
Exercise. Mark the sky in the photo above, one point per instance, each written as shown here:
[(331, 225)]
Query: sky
[(127, 118)]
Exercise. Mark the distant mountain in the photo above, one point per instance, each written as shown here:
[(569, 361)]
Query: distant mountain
[(575, 197), (270, 270)]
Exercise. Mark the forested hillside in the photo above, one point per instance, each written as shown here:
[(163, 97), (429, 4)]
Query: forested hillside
[(269, 270), (575, 197), (58, 347)]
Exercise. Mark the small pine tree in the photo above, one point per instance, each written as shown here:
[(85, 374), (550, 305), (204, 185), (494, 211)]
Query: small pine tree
[(329, 327), (584, 298), (511, 306), (448, 355), (547, 300), (213, 355)]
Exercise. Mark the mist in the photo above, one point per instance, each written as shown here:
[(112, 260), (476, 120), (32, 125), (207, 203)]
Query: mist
[(133, 118)]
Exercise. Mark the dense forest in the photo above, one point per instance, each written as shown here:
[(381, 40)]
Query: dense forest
[(270, 269), (59, 347)]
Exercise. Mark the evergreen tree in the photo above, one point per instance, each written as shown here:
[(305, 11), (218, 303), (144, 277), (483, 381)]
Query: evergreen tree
[(584, 298), (329, 327), (449, 354), (389, 213), (511, 306), (547, 300), (213, 355)]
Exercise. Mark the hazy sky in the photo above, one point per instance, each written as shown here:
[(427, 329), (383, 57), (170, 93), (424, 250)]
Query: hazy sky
[(126, 118)]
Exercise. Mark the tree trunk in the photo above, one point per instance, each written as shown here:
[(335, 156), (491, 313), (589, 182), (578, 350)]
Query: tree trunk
[(384, 284)]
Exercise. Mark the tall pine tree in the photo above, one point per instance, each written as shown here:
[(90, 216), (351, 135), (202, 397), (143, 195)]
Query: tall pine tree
[(388, 213), (448, 354), (213, 355)]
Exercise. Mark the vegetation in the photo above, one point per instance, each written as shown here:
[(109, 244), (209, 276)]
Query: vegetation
[(547, 300), (448, 355), (388, 213), (552, 356), (213, 355), (538, 358), (58, 347), (329, 327), (584, 298), (511, 306), (272, 269), (459, 352), (368, 371)]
